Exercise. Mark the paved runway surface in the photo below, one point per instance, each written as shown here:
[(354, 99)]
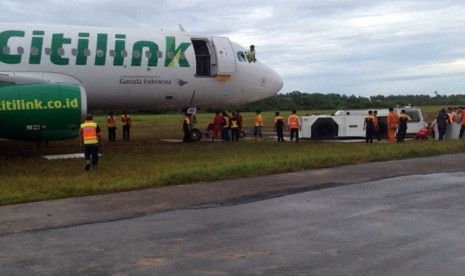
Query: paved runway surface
[(342, 221)]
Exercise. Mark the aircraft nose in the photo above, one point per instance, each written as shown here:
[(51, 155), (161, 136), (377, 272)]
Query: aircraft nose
[(276, 82)]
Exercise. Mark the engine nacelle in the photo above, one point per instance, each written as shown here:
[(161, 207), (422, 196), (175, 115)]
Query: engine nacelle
[(41, 111)]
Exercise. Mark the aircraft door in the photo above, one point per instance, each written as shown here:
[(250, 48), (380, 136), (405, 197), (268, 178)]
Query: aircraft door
[(224, 55)]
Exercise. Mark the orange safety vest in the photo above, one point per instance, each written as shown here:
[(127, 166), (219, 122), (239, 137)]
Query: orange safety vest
[(89, 133), (293, 121), (125, 120), (463, 117), (370, 118), (187, 120), (375, 122), (402, 115), (451, 117), (277, 118), (258, 120), (111, 121)]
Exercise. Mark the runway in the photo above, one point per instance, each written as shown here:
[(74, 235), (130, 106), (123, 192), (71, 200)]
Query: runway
[(387, 218)]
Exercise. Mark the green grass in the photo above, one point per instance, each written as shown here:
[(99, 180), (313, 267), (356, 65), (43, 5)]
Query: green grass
[(146, 161)]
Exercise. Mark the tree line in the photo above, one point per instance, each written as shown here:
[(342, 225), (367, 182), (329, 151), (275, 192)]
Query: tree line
[(318, 101)]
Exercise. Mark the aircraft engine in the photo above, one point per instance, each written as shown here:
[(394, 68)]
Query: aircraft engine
[(41, 111)]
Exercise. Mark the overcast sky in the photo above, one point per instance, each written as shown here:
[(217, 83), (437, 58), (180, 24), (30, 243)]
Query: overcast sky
[(359, 47)]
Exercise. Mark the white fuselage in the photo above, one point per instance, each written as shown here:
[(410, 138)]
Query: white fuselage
[(137, 69)]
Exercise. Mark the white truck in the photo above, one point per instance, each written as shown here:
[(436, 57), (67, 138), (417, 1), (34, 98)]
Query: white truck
[(348, 124)]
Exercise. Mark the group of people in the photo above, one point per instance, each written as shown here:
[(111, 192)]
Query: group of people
[(91, 139), (112, 126), (230, 127), (293, 124), (225, 124), (449, 116), (396, 126)]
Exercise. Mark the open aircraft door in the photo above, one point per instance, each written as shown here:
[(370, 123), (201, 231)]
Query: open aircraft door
[(224, 55)]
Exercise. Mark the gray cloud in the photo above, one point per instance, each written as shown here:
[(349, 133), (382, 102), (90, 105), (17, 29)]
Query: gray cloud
[(356, 47)]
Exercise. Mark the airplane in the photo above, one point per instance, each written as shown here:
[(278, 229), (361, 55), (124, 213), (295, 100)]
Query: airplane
[(50, 76)]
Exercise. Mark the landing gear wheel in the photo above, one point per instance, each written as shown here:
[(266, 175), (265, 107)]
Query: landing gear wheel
[(196, 135)]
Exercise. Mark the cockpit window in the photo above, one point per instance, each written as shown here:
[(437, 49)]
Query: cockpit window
[(241, 56)]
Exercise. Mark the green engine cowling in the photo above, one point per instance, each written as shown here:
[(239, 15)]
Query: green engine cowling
[(41, 111)]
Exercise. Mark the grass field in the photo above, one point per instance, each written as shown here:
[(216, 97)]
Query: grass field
[(148, 161)]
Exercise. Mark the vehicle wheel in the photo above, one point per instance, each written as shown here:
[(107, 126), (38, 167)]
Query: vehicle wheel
[(196, 135), (242, 134)]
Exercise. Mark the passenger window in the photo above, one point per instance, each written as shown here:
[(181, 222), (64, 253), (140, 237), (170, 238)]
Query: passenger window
[(136, 54), (61, 52), (6, 50), (48, 51), (112, 53), (34, 51), (99, 53), (87, 52), (74, 52), (20, 50)]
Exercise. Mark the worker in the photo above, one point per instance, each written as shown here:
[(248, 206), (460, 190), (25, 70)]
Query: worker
[(225, 126), (293, 123), (239, 120), (455, 113), (257, 126), (90, 139), (450, 114), (442, 120), (279, 126), (186, 127), (461, 118), (392, 121), (369, 127), (234, 127), (251, 54), (377, 126), (111, 124), (402, 127), (216, 124), (126, 122)]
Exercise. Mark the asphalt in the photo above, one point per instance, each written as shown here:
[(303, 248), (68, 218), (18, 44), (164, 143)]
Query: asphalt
[(65, 213)]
